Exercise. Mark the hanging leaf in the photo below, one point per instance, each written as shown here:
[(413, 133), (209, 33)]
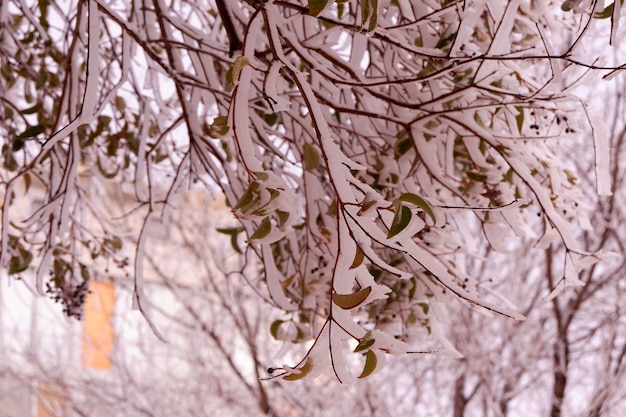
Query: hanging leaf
[(370, 364), (316, 6), (358, 258), (264, 229), (283, 217), (27, 182), (402, 146), (425, 307), (413, 288), (239, 64), (114, 242), (372, 15), (400, 221), (20, 262), (105, 174), (604, 14), (419, 202), (304, 371), (366, 205), (32, 109), (84, 272), (218, 128), (311, 157), (365, 11), (233, 233), (120, 103), (365, 343), (519, 118), (348, 301), (32, 131), (476, 176), (274, 327), (445, 40), (245, 201)]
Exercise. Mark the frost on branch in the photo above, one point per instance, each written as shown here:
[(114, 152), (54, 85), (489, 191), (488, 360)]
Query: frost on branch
[(369, 149)]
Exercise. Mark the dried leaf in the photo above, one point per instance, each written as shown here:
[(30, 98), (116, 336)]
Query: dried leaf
[(311, 157), (348, 301), (358, 258), (239, 64)]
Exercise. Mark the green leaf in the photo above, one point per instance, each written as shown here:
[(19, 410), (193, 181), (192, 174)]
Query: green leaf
[(286, 283), (340, 9), (274, 328), (283, 217), (413, 288), (245, 200), (9, 162), (40, 81), (311, 157), (445, 41), (604, 14), (32, 109), (105, 174), (270, 118), (29, 38), (84, 272), (425, 307), (571, 177), (120, 104), (17, 145), (519, 118), (348, 301), (27, 182), (402, 146), (20, 262), (373, 23), (218, 128), (370, 364), (233, 233), (32, 131), (366, 205), (229, 77), (419, 202), (373, 16), (114, 242), (274, 194), (477, 176), (365, 11), (264, 229), (508, 176), (365, 343), (304, 371), (400, 221), (316, 6)]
